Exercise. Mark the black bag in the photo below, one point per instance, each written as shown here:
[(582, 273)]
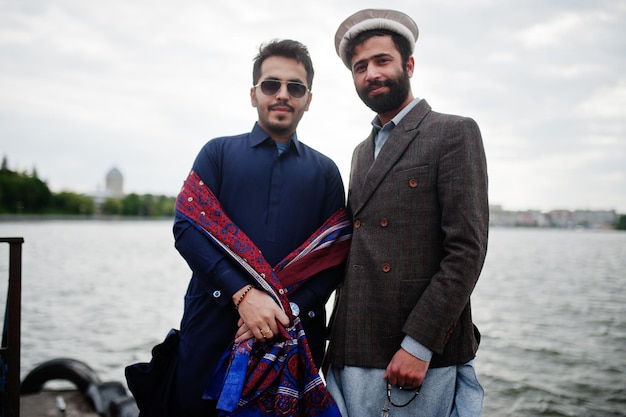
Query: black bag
[(152, 384)]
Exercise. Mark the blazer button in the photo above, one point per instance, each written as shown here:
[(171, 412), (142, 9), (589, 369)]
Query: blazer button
[(386, 267), (357, 224), (217, 294), (413, 183), (384, 222)]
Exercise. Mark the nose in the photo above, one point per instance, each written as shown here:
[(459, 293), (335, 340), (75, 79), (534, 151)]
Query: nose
[(282, 93), (372, 73)]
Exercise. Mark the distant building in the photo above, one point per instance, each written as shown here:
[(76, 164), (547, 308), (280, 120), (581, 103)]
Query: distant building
[(562, 218), (595, 218), (500, 217), (114, 183), (591, 219), (114, 187)]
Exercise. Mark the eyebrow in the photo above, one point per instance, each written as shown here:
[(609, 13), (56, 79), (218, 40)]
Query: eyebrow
[(295, 80), (375, 56)]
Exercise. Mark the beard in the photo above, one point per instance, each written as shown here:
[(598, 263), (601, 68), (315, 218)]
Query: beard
[(399, 88)]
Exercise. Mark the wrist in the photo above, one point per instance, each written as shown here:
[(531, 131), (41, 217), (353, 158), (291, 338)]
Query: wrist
[(240, 295), (415, 348)]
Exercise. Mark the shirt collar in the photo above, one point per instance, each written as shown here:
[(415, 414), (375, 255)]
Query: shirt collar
[(259, 136), (398, 117)]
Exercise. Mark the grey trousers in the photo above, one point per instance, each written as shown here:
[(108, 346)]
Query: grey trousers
[(452, 391)]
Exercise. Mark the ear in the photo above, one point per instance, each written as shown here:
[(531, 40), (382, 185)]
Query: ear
[(253, 97), (410, 66)]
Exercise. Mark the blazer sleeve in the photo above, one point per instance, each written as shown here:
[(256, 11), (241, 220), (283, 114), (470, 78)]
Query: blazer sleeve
[(464, 221)]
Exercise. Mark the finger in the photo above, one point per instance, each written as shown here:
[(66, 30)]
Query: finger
[(391, 376), (280, 321), (282, 318), (263, 335), (240, 331), (273, 327), (245, 336), (243, 327)]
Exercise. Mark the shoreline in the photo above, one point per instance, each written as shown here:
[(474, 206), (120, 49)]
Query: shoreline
[(75, 217)]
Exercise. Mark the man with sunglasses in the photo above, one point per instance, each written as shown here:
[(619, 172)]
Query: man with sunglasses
[(402, 339), (276, 190)]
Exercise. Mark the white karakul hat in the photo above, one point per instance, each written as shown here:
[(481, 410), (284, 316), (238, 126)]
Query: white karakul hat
[(373, 19)]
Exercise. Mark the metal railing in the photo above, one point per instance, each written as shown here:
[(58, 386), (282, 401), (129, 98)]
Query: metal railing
[(11, 334)]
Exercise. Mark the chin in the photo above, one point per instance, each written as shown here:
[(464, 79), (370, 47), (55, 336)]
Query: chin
[(280, 127)]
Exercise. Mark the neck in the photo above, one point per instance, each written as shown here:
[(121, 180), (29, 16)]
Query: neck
[(281, 139), (278, 135)]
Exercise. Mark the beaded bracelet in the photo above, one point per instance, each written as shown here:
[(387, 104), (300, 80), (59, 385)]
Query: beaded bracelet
[(242, 296)]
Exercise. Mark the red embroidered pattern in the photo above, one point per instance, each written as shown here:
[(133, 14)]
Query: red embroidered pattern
[(280, 378)]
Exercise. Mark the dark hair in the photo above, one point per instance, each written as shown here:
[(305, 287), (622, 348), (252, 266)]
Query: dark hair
[(402, 44), (285, 48)]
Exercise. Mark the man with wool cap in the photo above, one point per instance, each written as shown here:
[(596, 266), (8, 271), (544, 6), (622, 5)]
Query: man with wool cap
[(402, 338)]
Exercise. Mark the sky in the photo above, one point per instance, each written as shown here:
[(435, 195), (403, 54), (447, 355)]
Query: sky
[(141, 85)]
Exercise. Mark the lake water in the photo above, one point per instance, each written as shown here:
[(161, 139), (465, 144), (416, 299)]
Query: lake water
[(550, 304)]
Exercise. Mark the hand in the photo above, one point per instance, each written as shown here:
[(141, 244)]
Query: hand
[(260, 316), (243, 332), (405, 370)]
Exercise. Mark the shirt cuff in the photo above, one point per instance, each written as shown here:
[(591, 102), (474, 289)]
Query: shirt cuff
[(416, 349), (228, 278)]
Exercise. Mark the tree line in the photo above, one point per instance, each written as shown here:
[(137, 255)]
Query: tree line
[(25, 193)]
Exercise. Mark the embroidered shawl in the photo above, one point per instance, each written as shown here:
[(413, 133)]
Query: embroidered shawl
[(279, 377)]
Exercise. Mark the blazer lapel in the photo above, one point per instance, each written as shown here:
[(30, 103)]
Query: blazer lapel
[(374, 171)]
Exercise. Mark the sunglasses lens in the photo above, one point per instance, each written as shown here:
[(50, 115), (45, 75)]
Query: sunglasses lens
[(271, 87), (296, 90)]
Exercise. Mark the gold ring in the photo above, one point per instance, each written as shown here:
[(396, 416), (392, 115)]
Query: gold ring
[(262, 332)]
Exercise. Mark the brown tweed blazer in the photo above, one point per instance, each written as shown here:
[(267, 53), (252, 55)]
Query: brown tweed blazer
[(420, 215)]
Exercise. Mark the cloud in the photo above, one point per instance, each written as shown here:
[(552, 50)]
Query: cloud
[(553, 33), (142, 85), (608, 102)]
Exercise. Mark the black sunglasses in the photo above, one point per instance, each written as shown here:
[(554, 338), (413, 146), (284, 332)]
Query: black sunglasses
[(271, 87)]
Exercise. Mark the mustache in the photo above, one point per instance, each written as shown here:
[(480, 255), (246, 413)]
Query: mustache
[(378, 83), (283, 105)]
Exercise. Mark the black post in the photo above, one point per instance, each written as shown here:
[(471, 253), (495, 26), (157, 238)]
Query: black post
[(11, 345)]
